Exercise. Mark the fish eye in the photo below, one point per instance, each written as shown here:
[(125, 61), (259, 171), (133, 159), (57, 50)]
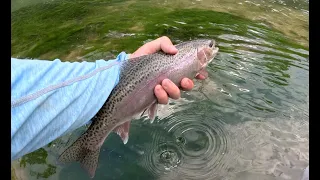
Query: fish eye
[(211, 43)]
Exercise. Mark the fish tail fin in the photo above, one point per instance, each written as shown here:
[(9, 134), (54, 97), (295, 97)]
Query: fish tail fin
[(90, 162), (79, 153)]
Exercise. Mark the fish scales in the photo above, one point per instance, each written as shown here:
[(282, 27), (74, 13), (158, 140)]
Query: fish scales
[(134, 94)]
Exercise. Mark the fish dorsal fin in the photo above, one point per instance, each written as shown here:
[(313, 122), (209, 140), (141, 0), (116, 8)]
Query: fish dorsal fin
[(123, 131)]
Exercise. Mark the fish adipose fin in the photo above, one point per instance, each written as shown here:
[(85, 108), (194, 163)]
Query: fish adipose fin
[(77, 152)]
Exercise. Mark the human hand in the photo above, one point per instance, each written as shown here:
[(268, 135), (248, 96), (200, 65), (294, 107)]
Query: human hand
[(167, 88)]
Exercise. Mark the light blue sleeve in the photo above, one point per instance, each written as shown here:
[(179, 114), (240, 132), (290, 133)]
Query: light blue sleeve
[(51, 98)]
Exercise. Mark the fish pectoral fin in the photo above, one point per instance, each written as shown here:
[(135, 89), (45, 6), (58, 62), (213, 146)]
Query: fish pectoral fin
[(152, 111), (203, 72), (90, 162), (123, 131)]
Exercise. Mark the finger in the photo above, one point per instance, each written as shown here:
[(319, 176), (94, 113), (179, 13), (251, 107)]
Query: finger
[(172, 89), (167, 46), (137, 54), (161, 95), (201, 77), (187, 84), (163, 43), (203, 74)]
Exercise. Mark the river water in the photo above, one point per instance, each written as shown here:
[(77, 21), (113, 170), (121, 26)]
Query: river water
[(248, 120)]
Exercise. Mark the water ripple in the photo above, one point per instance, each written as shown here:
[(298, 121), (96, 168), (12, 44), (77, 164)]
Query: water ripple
[(197, 147)]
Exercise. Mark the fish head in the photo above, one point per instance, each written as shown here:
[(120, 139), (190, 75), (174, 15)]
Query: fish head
[(198, 54), (206, 51)]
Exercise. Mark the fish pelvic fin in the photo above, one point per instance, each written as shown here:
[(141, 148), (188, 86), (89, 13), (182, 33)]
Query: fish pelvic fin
[(123, 131), (77, 152), (152, 111)]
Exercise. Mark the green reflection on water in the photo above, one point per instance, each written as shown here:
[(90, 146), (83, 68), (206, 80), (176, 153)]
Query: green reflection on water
[(38, 157), (68, 30)]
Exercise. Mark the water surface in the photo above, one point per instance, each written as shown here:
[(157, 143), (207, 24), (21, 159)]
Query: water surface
[(248, 120)]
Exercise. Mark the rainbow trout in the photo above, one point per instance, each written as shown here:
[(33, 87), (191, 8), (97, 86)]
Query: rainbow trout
[(134, 95)]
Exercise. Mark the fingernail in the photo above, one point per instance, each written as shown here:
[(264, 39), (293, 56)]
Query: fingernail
[(158, 88), (175, 49), (165, 83), (187, 83)]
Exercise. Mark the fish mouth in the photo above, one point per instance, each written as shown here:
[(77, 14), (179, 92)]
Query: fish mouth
[(214, 50)]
